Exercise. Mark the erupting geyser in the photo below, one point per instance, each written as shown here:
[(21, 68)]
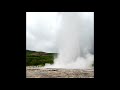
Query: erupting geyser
[(75, 41)]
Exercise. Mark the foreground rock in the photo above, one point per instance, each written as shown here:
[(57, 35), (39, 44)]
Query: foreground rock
[(38, 72)]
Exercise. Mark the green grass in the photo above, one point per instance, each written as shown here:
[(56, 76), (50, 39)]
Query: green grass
[(38, 58), (93, 64)]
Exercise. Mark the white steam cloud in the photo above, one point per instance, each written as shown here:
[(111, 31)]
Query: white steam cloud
[(75, 41)]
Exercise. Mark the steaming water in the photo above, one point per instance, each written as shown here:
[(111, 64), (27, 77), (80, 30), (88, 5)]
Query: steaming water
[(75, 41)]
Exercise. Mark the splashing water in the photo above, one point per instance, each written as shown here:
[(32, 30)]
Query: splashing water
[(75, 41)]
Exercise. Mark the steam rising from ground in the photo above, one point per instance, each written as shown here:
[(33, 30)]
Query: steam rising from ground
[(75, 41)]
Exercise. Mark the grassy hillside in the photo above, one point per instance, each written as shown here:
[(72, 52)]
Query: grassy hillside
[(34, 58), (38, 58)]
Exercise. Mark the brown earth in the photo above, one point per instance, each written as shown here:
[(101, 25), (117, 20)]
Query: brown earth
[(38, 72)]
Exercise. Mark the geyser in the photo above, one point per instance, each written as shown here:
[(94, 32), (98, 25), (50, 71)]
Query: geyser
[(75, 41)]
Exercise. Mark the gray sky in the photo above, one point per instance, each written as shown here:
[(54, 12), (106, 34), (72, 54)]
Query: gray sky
[(41, 28), (41, 31)]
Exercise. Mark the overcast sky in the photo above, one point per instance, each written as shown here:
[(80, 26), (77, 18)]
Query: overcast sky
[(41, 28), (41, 31)]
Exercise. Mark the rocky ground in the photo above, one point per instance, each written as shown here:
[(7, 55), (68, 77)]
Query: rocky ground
[(38, 72)]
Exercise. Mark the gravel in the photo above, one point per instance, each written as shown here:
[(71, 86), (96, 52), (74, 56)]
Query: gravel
[(40, 72)]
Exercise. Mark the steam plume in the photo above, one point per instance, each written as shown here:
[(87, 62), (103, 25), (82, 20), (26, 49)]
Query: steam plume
[(75, 41)]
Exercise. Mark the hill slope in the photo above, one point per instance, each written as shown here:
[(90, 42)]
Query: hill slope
[(38, 58)]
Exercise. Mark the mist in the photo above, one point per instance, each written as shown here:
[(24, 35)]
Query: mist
[(75, 41)]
